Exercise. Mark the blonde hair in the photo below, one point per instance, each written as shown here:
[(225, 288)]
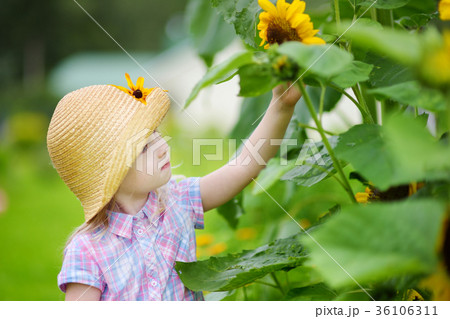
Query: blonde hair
[(101, 220)]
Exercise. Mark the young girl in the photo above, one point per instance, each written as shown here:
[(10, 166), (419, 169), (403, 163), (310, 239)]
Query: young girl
[(103, 142)]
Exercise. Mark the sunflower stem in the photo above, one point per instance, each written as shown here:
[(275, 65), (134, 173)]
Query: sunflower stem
[(322, 98), (274, 277), (325, 141), (364, 109), (315, 128), (337, 88), (337, 13)]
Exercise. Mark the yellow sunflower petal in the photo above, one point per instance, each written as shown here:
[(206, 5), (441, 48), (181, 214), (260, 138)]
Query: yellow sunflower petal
[(268, 6), (267, 46), (313, 40), (130, 83), (262, 42), (140, 83), (298, 20), (444, 9), (281, 8), (123, 89), (265, 17), (142, 100), (297, 7), (146, 92)]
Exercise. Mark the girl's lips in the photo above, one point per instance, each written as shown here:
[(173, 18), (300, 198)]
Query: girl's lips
[(165, 166)]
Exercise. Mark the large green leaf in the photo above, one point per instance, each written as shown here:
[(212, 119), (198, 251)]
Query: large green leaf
[(220, 72), (398, 45), (243, 14), (357, 72), (312, 165), (237, 270), (324, 61), (383, 4), (363, 147), (256, 79), (419, 156), (387, 72), (400, 152), (377, 242), (411, 93), (209, 33)]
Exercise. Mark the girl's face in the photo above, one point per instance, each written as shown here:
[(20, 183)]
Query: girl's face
[(151, 168)]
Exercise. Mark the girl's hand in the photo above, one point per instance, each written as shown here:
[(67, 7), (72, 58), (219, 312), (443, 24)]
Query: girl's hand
[(286, 94)]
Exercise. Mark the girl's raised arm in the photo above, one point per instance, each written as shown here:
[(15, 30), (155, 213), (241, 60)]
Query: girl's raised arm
[(226, 182), (80, 292)]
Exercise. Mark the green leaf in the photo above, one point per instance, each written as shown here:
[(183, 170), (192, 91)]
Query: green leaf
[(377, 242), (387, 72), (232, 210), (256, 79), (416, 21), (237, 270), (398, 45), (220, 72), (312, 165), (419, 156), (383, 4), (357, 72), (324, 61), (208, 32), (363, 147), (411, 93), (383, 155), (319, 292), (243, 14)]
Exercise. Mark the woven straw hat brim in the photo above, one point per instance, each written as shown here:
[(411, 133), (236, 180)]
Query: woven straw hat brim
[(94, 137)]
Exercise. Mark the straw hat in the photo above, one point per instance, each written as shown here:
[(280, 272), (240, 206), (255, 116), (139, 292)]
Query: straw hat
[(96, 134)]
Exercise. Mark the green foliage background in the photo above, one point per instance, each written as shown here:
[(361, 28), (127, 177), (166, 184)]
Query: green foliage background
[(378, 56)]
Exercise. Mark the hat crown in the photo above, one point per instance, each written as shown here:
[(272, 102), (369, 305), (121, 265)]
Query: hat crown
[(94, 136)]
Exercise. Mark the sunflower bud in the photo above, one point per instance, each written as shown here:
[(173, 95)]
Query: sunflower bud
[(284, 68)]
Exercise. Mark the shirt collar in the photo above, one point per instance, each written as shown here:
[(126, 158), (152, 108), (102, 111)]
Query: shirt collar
[(121, 224)]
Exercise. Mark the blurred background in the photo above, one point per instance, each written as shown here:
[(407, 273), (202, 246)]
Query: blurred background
[(50, 48)]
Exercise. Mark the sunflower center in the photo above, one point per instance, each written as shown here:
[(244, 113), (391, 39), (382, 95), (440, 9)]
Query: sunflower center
[(137, 94), (279, 31)]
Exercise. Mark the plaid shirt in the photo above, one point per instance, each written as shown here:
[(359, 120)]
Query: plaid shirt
[(135, 259)]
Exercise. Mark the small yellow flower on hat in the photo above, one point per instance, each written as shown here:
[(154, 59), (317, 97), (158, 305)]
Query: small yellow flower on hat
[(286, 22), (138, 92), (444, 9)]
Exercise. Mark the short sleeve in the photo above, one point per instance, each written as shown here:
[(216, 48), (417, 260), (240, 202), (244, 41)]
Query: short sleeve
[(79, 266), (190, 191)]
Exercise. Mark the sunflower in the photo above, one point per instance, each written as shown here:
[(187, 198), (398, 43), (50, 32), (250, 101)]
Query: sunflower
[(365, 197), (285, 22), (444, 9), (372, 194), (138, 92), (436, 65)]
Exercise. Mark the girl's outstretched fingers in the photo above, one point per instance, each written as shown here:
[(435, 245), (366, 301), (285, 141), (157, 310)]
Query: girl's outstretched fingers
[(286, 94)]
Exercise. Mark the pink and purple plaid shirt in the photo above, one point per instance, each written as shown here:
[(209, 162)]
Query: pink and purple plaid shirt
[(135, 259)]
